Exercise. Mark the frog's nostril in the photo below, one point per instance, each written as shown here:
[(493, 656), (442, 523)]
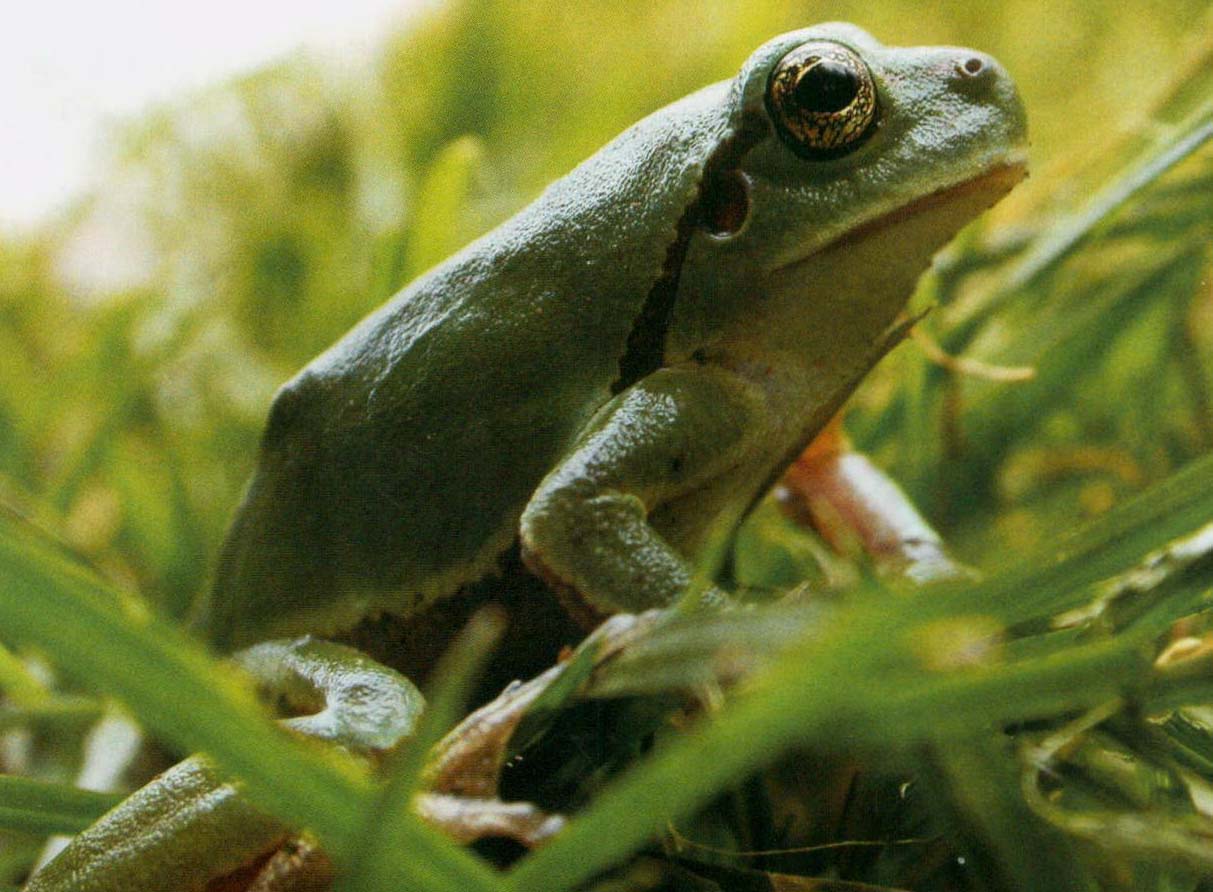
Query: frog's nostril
[(971, 67)]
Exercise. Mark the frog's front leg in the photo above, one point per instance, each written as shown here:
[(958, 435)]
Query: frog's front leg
[(855, 506), (613, 527)]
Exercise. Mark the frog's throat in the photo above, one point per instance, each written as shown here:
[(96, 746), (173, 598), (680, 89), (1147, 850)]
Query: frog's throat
[(994, 182)]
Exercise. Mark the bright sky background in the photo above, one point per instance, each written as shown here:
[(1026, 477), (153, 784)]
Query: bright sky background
[(68, 66)]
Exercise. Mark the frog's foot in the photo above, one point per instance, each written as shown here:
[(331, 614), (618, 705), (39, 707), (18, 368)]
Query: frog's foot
[(469, 759), (298, 865), (467, 820), (463, 775), (340, 695), (856, 507)]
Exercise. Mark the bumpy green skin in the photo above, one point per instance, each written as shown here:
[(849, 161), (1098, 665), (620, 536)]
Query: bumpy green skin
[(177, 833), (476, 409), (402, 462)]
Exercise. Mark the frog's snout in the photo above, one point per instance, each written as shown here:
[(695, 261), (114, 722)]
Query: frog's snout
[(983, 85), (977, 74)]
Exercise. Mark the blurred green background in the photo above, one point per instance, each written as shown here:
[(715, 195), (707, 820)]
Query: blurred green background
[(240, 230)]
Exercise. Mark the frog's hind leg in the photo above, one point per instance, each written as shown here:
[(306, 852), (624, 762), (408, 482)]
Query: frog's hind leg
[(192, 830), (184, 829), (857, 508)]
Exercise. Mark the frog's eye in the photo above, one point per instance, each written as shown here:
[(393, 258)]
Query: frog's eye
[(822, 99)]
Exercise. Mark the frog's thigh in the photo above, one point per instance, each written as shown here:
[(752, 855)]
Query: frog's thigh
[(855, 506), (586, 528), (180, 831)]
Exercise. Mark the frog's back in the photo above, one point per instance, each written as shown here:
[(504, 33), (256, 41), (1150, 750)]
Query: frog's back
[(395, 466)]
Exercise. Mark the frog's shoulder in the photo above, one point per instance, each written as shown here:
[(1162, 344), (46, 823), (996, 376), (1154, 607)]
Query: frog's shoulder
[(395, 467), (584, 254)]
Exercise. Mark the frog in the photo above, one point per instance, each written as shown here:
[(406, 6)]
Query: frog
[(572, 415)]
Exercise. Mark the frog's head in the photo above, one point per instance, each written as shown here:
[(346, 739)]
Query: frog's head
[(850, 164)]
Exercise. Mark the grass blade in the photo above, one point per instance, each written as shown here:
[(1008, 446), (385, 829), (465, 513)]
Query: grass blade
[(185, 698), (43, 807)]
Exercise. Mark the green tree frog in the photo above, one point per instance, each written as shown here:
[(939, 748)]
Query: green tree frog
[(580, 407)]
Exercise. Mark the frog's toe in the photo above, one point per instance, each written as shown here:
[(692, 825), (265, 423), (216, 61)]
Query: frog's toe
[(468, 820)]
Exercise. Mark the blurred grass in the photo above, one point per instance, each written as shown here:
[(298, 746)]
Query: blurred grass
[(239, 231), (42, 807)]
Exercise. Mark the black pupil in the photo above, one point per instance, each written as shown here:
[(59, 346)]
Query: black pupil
[(827, 87)]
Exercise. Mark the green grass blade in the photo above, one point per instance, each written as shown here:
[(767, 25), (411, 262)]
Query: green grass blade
[(55, 711), (389, 816), (1069, 341), (1162, 147), (1062, 239), (1107, 546), (840, 691), (42, 807), (831, 694), (976, 784), (185, 698)]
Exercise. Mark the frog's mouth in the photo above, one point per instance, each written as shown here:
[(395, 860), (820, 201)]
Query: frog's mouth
[(968, 198), (858, 282)]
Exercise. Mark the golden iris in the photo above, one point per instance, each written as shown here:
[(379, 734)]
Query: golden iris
[(822, 99)]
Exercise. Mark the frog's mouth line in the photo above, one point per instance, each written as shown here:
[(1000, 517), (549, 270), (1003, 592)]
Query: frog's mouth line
[(996, 182)]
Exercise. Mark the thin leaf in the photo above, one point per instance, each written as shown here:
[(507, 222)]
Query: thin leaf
[(170, 684), (390, 814), (42, 807)]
